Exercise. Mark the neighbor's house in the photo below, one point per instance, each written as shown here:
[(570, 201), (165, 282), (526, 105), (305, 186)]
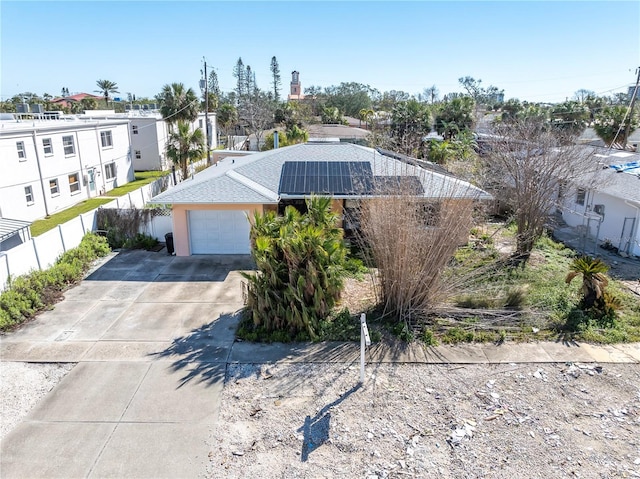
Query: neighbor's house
[(607, 207), (49, 165), (211, 212), (149, 134), (68, 101)]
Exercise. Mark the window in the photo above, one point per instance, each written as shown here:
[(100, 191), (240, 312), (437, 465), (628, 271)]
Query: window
[(53, 186), (200, 123), (68, 145), (74, 183), (48, 146), (599, 210), (21, 153), (134, 129), (110, 171), (105, 138), (138, 155), (580, 197), (28, 194)]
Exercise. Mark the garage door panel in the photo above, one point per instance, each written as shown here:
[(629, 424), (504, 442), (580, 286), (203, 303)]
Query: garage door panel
[(219, 232)]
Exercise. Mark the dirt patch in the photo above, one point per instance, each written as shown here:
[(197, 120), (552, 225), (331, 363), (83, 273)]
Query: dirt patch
[(358, 295), (525, 420)]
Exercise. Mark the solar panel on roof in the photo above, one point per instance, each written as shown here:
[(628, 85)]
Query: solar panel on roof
[(325, 177)]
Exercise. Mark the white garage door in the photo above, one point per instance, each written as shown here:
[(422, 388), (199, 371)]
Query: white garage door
[(219, 232)]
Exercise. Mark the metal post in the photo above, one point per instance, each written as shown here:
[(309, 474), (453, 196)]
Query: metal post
[(364, 341), (206, 112), (64, 248)]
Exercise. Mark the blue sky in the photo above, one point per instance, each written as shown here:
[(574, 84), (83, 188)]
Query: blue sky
[(536, 51)]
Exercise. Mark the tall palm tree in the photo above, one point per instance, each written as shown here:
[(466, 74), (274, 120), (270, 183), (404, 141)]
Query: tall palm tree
[(185, 146), (106, 87), (178, 103)]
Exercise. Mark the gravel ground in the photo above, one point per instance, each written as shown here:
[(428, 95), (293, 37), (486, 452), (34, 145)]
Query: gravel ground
[(449, 421), (22, 386)]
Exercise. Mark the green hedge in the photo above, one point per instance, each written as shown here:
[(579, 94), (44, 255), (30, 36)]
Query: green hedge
[(26, 295)]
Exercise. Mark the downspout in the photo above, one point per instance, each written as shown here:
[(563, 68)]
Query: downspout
[(102, 173), (636, 227), (79, 154), (44, 196)]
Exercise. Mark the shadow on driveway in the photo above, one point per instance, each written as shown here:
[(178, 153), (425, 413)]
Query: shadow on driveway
[(203, 353)]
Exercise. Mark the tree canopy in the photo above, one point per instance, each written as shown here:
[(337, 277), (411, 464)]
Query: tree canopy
[(178, 103)]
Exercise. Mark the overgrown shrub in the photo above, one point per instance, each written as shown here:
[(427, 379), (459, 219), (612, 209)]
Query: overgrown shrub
[(300, 260), (28, 294), (122, 226), (141, 241)]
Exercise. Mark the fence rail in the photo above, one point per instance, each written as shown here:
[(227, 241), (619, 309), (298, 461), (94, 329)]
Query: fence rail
[(42, 251)]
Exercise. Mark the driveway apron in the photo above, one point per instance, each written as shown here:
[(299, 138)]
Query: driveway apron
[(151, 334)]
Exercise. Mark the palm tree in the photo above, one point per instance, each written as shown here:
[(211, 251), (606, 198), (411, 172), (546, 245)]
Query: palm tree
[(185, 147), (594, 280), (106, 87), (612, 123), (178, 103)]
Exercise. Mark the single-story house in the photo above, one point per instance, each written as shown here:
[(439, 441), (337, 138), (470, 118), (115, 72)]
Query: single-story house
[(607, 207), (211, 211)]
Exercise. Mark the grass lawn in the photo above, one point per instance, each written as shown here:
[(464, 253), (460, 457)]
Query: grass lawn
[(142, 178), (41, 226), (489, 300), (539, 291)]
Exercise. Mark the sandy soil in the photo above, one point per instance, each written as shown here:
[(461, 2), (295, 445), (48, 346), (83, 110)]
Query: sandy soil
[(504, 421), (22, 386)]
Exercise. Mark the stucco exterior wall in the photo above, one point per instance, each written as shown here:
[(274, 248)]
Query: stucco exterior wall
[(40, 166), (181, 221), (608, 227)]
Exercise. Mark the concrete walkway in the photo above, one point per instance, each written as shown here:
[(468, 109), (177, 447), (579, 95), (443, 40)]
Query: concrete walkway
[(152, 336)]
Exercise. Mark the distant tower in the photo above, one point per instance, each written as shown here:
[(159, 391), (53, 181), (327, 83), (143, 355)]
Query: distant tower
[(296, 89)]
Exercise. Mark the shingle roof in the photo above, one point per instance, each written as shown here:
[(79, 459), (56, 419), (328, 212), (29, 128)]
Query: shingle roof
[(220, 189), (625, 185), (255, 178)]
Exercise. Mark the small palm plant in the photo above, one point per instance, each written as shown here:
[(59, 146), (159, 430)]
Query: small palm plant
[(595, 300)]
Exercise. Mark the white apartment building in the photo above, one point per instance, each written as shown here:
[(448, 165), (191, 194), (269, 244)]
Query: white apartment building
[(49, 165), (149, 134)]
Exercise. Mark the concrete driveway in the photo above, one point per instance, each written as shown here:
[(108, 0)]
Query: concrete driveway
[(151, 335)]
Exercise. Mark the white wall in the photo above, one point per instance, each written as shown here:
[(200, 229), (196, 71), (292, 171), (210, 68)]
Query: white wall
[(38, 168), (151, 140), (42, 251), (610, 227)]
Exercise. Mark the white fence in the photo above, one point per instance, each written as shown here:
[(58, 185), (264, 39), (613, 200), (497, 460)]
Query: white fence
[(42, 251)]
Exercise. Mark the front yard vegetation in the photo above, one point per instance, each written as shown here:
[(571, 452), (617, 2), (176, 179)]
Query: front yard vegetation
[(27, 295), (497, 300), (301, 264)]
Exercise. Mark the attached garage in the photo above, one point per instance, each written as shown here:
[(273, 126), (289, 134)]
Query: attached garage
[(219, 232)]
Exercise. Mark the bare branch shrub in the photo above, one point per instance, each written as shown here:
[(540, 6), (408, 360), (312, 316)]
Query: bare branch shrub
[(122, 224), (411, 236), (530, 168)]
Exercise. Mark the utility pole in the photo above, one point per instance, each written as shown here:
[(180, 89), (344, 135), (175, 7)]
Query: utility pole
[(633, 102), (206, 112)]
